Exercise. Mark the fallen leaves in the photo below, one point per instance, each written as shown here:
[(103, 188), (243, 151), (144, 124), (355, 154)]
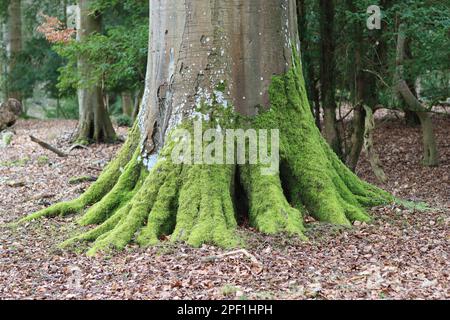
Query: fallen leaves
[(402, 255)]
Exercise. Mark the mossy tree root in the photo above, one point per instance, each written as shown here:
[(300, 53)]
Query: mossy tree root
[(191, 203), (99, 189), (269, 210), (314, 177), (195, 203)]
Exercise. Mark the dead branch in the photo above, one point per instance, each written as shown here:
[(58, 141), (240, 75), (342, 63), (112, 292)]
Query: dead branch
[(47, 146)]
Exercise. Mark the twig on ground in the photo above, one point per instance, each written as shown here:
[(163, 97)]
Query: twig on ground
[(47, 146)]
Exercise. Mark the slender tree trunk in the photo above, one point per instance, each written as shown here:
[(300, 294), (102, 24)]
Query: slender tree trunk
[(3, 62), (372, 155), (127, 104), (65, 18), (328, 74), (94, 123), (209, 60), (365, 89), (431, 155), (308, 67), (411, 117), (14, 44), (137, 104), (359, 115)]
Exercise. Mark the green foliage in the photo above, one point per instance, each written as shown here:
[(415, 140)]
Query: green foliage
[(36, 64), (68, 109), (7, 138), (118, 55), (428, 29), (4, 10), (123, 120), (427, 26)]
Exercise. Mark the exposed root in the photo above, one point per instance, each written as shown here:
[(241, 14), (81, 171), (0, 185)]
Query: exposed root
[(99, 189), (270, 211), (194, 203), (126, 187), (136, 212), (205, 213)]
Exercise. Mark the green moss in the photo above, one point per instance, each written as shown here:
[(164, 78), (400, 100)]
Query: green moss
[(138, 211), (81, 179), (16, 163), (82, 142), (194, 203), (205, 213), (7, 138), (123, 191), (43, 160), (97, 190), (270, 211), (313, 174), (161, 220)]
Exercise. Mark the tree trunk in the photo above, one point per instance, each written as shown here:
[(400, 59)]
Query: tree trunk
[(308, 67), (14, 45), (3, 62), (9, 113), (372, 155), (328, 73), (127, 104), (208, 60), (411, 117), (430, 150), (359, 115), (94, 123)]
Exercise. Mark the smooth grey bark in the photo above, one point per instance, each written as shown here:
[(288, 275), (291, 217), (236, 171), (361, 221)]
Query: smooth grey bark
[(94, 123), (14, 42), (198, 46), (3, 62)]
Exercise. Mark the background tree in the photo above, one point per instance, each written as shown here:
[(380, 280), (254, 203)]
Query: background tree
[(366, 62), (94, 123), (328, 73), (202, 65), (14, 47)]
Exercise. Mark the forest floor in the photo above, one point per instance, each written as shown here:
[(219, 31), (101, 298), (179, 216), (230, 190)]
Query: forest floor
[(403, 254)]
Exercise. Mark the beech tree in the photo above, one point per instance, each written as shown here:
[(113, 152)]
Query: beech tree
[(232, 64), (94, 123), (14, 35)]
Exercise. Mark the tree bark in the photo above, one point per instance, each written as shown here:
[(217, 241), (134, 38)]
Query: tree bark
[(372, 155), (430, 150), (9, 113), (328, 74), (14, 45), (94, 123), (208, 61), (308, 67), (127, 104)]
